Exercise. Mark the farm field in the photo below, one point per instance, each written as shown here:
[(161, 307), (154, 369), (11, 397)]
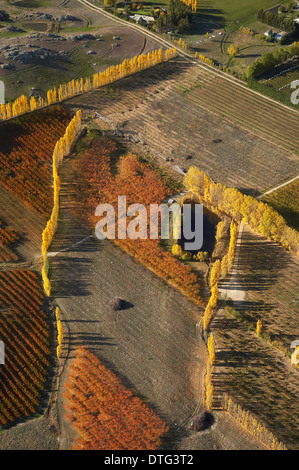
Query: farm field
[(233, 13), (27, 146), (269, 278), (86, 276), (285, 201), (233, 143), (257, 376), (121, 345), (24, 330)]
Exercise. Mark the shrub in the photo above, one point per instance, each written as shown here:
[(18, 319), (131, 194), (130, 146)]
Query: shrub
[(202, 421), (117, 304)]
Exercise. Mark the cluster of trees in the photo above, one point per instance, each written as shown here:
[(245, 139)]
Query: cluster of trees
[(181, 43), (204, 58), (178, 16), (251, 424), (178, 252), (129, 66), (104, 413), (247, 31), (27, 149), (139, 182), (62, 148), (269, 60), (233, 50), (278, 21), (258, 215), (191, 3), (25, 333)]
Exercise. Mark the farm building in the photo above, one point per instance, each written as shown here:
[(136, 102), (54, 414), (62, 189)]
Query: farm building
[(142, 18)]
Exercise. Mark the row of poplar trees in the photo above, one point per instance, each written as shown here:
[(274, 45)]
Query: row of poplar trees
[(129, 66)]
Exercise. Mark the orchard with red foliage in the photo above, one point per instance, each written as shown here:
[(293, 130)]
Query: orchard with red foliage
[(7, 238), (106, 415), (27, 145), (25, 334), (102, 183)]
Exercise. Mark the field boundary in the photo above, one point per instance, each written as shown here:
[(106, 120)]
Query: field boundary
[(277, 187)]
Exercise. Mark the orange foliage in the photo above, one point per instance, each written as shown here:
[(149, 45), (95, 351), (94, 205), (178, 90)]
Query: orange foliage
[(25, 334), (140, 184), (27, 146), (7, 238), (105, 414)]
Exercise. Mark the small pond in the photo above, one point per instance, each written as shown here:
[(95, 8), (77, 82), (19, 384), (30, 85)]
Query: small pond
[(210, 222)]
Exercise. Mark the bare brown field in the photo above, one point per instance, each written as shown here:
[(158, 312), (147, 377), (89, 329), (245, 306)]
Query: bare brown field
[(269, 277), (35, 434), (177, 110), (257, 376)]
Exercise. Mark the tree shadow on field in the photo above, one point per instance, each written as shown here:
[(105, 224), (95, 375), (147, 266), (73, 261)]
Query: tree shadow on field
[(205, 22), (249, 191), (93, 341), (259, 264), (71, 276), (241, 359)]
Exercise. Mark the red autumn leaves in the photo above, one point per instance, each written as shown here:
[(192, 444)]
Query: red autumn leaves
[(102, 182), (27, 146), (105, 414)]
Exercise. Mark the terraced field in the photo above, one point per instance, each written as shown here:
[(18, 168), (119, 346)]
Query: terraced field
[(178, 109)]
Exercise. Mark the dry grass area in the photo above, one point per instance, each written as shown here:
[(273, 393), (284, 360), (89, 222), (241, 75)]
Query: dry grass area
[(178, 109)]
